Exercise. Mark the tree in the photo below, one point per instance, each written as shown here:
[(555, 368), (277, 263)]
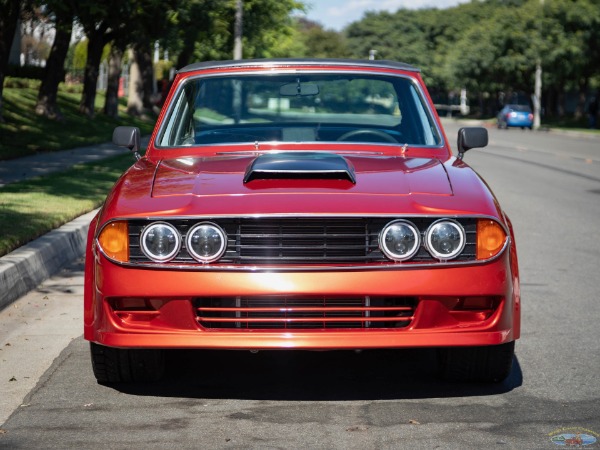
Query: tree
[(54, 72), (394, 36), (9, 15), (151, 20), (321, 43), (193, 21), (115, 62), (498, 54), (572, 33), (96, 34), (204, 29), (140, 80), (102, 22), (268, 27)]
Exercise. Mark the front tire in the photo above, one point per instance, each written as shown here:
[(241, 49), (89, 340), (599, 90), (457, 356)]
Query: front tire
[(117, 365), (491, 363)]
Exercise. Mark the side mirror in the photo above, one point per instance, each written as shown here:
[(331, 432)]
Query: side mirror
[(471, 137), (128, 137)]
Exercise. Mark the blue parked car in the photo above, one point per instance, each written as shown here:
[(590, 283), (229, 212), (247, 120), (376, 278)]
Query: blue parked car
[(515, 116)]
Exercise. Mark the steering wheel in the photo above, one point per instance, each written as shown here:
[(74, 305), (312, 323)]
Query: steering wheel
[(365, 132)]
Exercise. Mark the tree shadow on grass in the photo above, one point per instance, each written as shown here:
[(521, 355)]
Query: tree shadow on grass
[(34, 207), (26, 133)]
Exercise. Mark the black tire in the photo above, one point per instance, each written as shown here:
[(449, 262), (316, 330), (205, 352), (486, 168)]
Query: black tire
[(116, 365), (491, 363)]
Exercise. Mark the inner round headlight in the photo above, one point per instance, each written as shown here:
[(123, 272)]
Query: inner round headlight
[(206, 242), (399, 240), (445, 239), (160, 241)]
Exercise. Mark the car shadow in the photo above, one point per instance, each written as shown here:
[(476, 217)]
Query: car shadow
[(311, 376)]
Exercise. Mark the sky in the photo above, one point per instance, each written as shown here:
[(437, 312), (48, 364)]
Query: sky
[(336, 14)]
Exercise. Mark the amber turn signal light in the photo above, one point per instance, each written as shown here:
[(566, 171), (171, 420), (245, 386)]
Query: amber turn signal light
[(490, 238), (114, 241)]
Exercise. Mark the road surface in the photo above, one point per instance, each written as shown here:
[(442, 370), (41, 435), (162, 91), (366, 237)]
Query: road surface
[(550, 187)]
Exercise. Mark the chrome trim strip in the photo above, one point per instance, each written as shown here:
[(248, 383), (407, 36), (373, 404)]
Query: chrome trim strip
[(285, 63), (209, 217)]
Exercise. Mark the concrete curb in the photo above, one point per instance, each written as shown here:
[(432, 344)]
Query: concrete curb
[(25, 268)]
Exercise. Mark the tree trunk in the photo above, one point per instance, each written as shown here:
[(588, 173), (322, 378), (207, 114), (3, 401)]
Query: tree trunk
[(550, 99), (582, 97), (562, 98), (96, 41), (144, 58), (135, 104), (55, 68), (9, 15), (111, 106), (185, 55), (141, 80)]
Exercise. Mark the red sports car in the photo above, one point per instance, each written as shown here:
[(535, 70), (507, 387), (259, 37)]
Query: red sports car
[(300, 204)]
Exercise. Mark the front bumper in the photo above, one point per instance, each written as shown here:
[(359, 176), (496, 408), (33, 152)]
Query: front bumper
[(171, 320)]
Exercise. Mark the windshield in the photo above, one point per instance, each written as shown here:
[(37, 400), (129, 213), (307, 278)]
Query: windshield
[(298, 108)]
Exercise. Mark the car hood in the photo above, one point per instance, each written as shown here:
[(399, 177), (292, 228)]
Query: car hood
[(297, 173), (357, 184)]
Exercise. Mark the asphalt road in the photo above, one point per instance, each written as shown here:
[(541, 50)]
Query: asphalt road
[(550, 187)]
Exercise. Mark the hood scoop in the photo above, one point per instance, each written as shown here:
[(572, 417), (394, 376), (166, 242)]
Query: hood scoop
[(300, 166)]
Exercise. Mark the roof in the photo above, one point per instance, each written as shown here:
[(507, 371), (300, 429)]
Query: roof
[(386, 64)]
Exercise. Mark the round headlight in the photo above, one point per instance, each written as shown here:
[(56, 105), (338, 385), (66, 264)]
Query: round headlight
[(399, 240), (160, 241), (206, 242), (445, 239)]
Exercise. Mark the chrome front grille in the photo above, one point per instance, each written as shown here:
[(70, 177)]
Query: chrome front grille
[(301, 240), (281, 312), (306, 240)]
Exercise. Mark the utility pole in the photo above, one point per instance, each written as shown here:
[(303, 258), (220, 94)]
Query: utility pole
[(537, 94), (237, 54), (238, 29)]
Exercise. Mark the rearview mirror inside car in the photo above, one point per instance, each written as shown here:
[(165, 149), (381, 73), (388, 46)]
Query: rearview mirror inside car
[(298, 89)]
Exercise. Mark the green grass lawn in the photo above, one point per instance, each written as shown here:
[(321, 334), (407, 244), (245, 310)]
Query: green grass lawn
[(25, 133), (32, 208)]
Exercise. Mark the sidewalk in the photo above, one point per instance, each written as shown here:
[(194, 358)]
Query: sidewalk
[(45, 163)]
